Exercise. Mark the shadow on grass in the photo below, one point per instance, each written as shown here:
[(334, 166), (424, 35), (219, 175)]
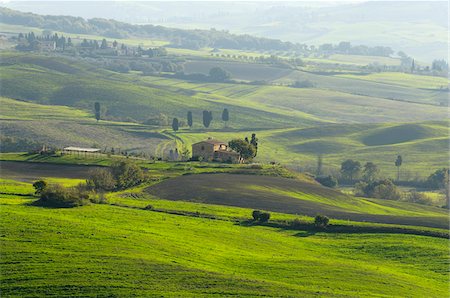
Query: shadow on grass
[(309, 229)]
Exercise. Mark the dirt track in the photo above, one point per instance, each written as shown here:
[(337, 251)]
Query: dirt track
[(233, 190), (26, 171)]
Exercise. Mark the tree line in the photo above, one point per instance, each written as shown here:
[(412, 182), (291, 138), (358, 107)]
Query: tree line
[(368, 182), (182, 38)]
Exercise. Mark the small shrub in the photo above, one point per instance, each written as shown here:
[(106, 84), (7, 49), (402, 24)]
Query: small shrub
[(418, 198), (260, 216), (256, 214), (321, 221), (264, 217), (39, 186), (296, 223), (328, 181)]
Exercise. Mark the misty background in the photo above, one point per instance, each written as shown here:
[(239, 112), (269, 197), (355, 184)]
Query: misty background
[(419, 28)]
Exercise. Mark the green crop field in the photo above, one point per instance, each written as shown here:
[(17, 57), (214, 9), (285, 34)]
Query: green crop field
[(126, 251)]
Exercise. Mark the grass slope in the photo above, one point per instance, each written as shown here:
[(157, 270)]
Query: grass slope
[(61, 126), (295, 197), (124, 96), (122, 251)]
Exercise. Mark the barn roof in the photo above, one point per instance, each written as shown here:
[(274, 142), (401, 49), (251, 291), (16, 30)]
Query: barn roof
[(79, 149)]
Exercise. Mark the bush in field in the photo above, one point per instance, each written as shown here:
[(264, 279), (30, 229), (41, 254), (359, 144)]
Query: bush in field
[(418, 198), (126, 174), (328, 181), (101, 179), (256, 214), (381, 189), (59, 196), (264, 217), (260, 216), (302, 84), (148, 207), (217, 74), (39, 186), (321, 221)]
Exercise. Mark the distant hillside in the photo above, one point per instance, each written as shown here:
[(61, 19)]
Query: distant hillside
[(289, 196), (182, 38)]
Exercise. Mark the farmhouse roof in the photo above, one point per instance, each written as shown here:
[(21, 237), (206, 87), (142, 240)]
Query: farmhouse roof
[(212, 141), (79, 149)]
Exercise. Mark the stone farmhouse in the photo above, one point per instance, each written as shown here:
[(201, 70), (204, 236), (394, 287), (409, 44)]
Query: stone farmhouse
[(214, 150)]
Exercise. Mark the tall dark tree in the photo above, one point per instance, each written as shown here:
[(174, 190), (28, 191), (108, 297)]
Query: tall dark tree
[(175, 124), (207, 118), (254, 142), (104, 44), (319, 165), (97, 110), (398, 164), (189, 118), (225, 116)]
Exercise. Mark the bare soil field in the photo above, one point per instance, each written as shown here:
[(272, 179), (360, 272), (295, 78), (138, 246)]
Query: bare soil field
[(27, 172)]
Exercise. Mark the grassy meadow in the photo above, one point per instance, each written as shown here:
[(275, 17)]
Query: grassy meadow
[(120, 249)]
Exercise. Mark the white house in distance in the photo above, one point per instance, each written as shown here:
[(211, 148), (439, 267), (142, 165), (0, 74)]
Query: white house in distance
[(79, 150)]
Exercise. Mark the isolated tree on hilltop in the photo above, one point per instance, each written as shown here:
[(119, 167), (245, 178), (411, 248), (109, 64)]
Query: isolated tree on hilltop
[(225, 116), (97, 110), (175, 124), (189, 118), (398, 164)]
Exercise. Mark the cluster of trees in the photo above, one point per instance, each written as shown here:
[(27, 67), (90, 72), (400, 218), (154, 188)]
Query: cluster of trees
[(247, 149), (121, 175), (207, 117), (56, 195), (271, 60), (302, 84), (32, 42), (216, 75), (345, 47)]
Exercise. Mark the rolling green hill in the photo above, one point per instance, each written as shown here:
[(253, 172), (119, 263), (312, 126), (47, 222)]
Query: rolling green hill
[(128, 251)]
